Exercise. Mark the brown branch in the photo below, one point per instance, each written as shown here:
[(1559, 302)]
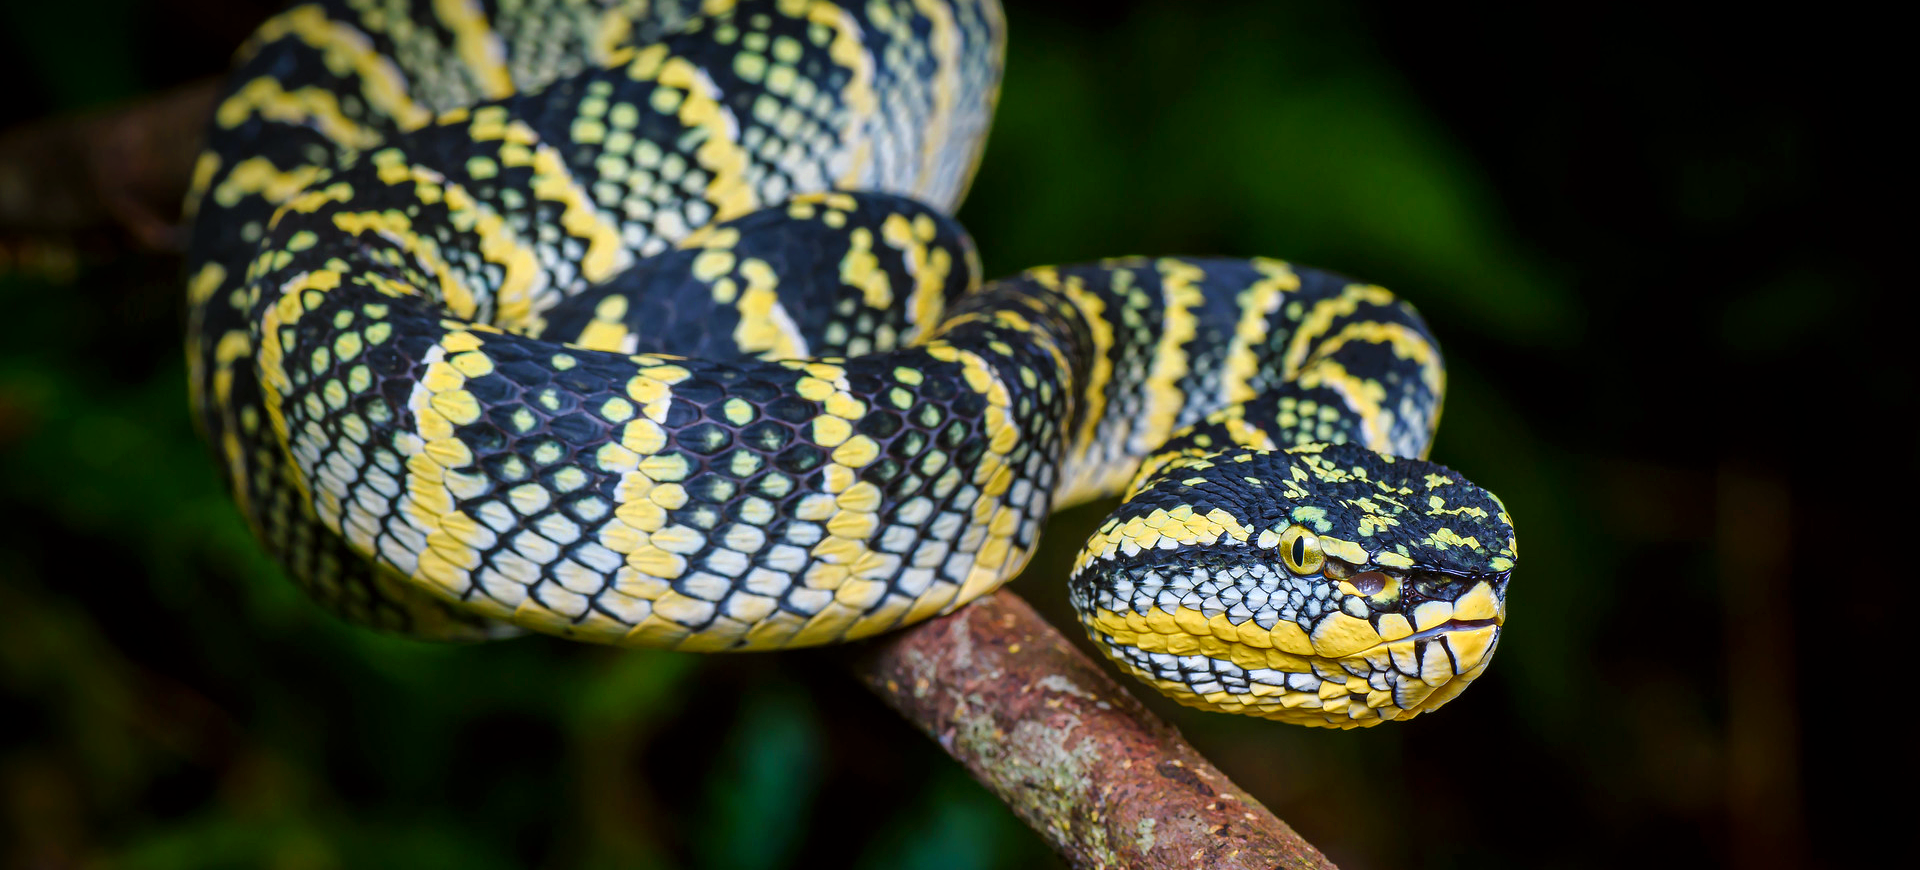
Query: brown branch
[(125, 167), (1048, 732), (1043, 727)]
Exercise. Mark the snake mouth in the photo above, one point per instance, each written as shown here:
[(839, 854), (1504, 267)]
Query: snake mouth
[(1445, 628)]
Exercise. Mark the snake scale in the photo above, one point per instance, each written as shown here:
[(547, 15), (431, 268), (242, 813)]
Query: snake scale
[(647, 323)]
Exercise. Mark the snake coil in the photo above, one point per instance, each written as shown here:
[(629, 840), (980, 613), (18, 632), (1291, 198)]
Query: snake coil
[(648, 324)]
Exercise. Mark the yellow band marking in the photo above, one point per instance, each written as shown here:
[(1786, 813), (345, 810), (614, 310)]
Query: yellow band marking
[(204, 168), (929, 267), (500, 245), (312, 107), (429, 186), (1089, 473), (861, 269), (1258, 302), (944, 43), (1320, 318), (552, 181), (615, 31), (1180, 295), (1363, 397), (346, 51), (258, 176), (765, 329), (701, 110), (481, 53), (270, 359), (849, 51)]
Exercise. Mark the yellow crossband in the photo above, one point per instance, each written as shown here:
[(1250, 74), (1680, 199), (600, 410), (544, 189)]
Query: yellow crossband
[(347, 51), (257, 176), (204, 168), (479, 46), (1363, 397), (1088, 475), (1258, 302), (605, 255), (944, 43), (1406, 343), (860, 268), (857, 97), (309, 106), (522, 280), (1180, 295), (1319, 319), (429, 187), (700, 109), (614, 31), (765, 327), (928, 266)]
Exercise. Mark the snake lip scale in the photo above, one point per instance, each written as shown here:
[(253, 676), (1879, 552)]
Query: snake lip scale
[(649, 324)]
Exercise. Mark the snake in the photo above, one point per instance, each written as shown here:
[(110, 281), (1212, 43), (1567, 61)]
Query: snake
[(650, 324)]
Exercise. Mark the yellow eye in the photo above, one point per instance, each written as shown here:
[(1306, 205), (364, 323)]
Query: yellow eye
[(1300, 550)]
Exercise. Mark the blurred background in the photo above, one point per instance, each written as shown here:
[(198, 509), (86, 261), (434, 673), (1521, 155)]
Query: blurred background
[(1650, 240)]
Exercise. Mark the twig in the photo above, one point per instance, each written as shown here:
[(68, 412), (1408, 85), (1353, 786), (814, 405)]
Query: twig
[(1104, 781)]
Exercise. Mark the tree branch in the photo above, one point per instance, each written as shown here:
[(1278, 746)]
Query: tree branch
[(124, 167), (1049, 733), (1042, 726)]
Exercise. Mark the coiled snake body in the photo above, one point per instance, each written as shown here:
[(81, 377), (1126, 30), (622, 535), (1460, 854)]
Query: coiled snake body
[(646, 324)]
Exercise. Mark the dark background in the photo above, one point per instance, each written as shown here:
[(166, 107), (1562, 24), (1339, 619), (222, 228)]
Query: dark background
[(1658, 247)]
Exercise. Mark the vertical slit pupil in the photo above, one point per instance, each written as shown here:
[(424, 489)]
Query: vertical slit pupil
[(1300, 551)]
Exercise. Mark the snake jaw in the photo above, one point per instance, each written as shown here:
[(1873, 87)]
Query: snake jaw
[(1335, 670)]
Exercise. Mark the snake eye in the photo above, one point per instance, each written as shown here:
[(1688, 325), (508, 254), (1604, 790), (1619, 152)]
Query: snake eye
[(1300, 550)]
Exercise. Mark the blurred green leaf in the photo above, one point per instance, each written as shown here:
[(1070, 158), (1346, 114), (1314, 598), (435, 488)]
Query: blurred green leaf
[(758, 794)]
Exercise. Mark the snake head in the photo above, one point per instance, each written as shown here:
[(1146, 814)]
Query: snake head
[(1324, 585)]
